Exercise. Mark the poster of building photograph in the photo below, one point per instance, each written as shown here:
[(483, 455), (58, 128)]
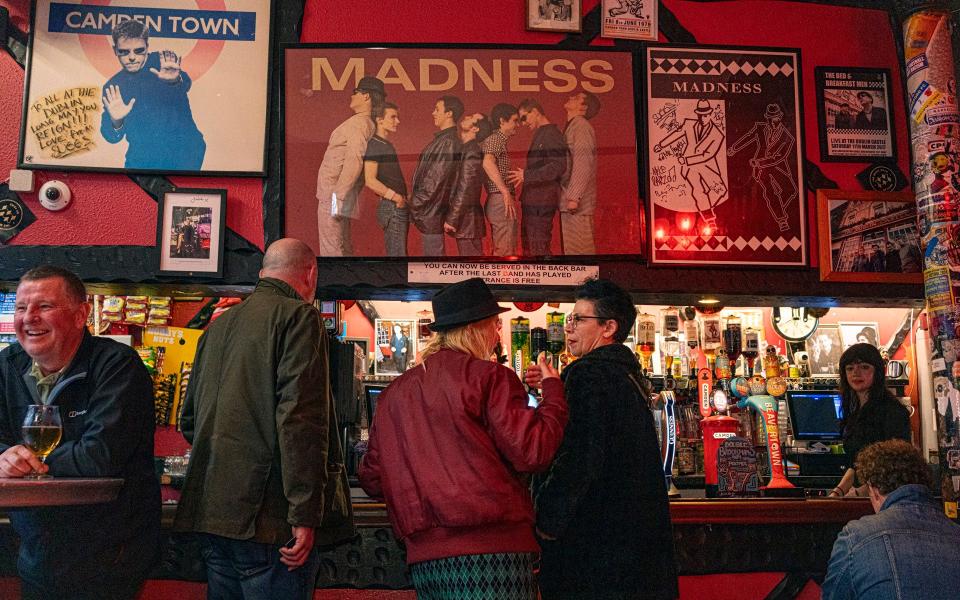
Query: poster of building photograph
[(724, 153), (159, 87), (854, 114), (472, 152)]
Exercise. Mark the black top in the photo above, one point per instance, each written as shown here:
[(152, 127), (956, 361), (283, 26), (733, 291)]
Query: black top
[(382, 152), (876, 421)]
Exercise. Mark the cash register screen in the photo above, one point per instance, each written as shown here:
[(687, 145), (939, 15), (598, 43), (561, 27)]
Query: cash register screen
[(815, 415)]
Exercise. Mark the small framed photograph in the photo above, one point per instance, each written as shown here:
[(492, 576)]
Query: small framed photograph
[(629, 19), (554, 15), (396, 346), (190, 232), (859, 333), (854, 114), (824, 350), (868, 237)]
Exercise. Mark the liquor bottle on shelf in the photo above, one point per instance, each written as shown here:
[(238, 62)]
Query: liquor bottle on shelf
[(712, 339), (646, 339), (733, 340), (670, 330), (722, 361), (751, 348), (538, 342), (519, 344), (691, 331), (556, 339)]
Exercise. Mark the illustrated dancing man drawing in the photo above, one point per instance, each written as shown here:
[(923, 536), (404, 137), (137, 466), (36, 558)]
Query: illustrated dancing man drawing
[(770, 162), (698, 164)]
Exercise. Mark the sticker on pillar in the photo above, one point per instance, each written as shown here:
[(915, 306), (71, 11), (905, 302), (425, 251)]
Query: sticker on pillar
[(14, 214), (935, 249), (937, 289)]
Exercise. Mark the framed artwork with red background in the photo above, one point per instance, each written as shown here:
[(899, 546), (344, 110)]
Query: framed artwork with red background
[(318, 81)]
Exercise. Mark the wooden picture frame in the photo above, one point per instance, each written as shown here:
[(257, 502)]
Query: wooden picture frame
[(860, 233), (190, 232), (851, 331), (94, 104), (387, 360), (824, 348), (564, 16)]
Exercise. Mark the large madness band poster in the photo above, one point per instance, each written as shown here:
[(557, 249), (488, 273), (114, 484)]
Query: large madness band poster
[(723, 140), (454, 151), (169, 87)]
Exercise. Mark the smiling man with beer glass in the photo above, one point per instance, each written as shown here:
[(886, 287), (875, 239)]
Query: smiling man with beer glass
[(104, 398)]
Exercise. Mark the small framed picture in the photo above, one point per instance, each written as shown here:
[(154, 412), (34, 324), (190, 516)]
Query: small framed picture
[(853, 114), (859, 333), (395, 349), (824, 350), (190, 232), (869, 237), (629, 19), (554, 15)]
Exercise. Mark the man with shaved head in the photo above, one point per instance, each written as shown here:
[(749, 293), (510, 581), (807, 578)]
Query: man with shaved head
[(265, 484)]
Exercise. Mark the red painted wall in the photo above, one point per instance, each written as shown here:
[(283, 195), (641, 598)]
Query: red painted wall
[(110, 209), (107, 209)]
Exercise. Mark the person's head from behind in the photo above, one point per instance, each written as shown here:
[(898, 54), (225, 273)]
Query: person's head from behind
[(862, 372), (889, 465), (387, 119), (294, 263), (603, 314), (130, 44), (504, 117), (466, 319), (50, 315), (447, 112)]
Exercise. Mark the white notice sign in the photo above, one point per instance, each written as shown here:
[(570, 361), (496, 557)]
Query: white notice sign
[(501, 273)]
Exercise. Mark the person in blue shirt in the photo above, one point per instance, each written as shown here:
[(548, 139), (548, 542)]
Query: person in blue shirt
[(909, 549), (147, 103)]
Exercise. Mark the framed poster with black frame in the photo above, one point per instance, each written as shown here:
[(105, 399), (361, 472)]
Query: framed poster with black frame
[(724, 147), (149, 87), (824, 349), (600, 184), (190, 232), (854, 119), (869, 237)]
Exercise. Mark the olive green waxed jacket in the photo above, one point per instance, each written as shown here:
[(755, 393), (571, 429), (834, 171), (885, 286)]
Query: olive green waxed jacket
[(258, 410)]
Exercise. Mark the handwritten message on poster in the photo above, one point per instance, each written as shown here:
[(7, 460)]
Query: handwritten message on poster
[(64, 122)]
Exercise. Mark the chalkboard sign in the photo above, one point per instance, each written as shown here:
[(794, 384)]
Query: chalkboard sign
[(737, 469)]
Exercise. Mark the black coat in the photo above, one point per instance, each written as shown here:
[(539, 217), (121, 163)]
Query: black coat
[(434, 181), (466, 212), (604, 497), (546, 165), (878, 420)]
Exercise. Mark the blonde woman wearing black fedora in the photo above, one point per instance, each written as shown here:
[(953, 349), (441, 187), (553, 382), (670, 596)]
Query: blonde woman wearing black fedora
[(449, 442)]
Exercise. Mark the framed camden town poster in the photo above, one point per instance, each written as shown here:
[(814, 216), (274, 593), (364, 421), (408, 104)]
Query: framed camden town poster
[(629, 19), (869, 237), (853, 114), (190, 232), (724, 148), (558, 125), (157, 87)]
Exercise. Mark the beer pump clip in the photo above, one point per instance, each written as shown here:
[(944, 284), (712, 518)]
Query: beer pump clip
[(669, 401), (766, 407)]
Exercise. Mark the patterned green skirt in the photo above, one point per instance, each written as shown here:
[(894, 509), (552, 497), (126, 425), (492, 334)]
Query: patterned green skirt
[(476, 577)]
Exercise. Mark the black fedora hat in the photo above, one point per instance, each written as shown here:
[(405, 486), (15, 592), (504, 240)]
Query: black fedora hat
[(463, 303)]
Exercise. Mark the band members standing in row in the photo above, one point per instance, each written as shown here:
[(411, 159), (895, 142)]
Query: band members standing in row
[(436, 176), (339, 178), (382, 174), (580, 182), (500, 207), (464, 221), (540, 180)]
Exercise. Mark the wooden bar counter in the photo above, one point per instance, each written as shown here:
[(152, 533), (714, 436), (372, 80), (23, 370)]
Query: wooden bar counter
[(57, 491)]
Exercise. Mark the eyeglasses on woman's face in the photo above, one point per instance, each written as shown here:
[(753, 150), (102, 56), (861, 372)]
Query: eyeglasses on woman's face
[(573, 320)]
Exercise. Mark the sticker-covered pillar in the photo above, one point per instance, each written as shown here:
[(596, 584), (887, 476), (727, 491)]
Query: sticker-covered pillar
[(935, 143)]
